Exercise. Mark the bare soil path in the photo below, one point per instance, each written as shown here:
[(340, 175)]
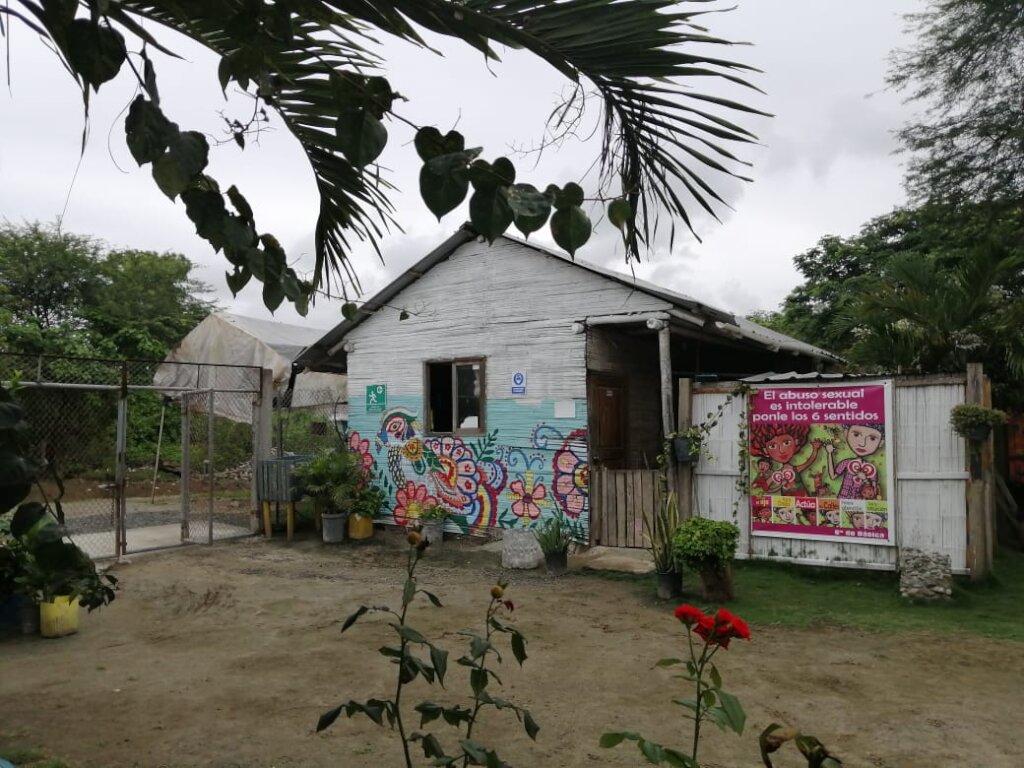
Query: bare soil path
[(225, 656)]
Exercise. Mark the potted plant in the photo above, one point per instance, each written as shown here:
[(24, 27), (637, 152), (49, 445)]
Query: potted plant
[(975, 422), (554, 538), (658, 530), (37, 563), (690, 444), (432, 523), (368, 501), (686, 445), (332, 479), (708, 547), (54, 575)]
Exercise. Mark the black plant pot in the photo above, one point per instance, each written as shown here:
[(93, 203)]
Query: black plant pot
[(979, 433), (681, 450), (670, 584), (557, 562)]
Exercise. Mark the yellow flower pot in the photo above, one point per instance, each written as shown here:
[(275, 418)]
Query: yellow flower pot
[(360, 527), (58, 618)]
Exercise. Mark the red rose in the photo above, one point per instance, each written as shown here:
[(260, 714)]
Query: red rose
[(705, 628), (689, 614), (729, 625)]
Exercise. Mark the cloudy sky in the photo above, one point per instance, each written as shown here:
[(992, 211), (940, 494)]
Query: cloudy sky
[(825, 164)]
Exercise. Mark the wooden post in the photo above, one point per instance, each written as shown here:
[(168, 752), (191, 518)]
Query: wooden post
[(262, 435), (668, 420), (988, 477), (683, 420), (978, 560)]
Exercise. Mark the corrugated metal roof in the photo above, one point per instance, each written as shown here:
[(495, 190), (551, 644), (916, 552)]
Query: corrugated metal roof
[(766, 378), (719, 322)]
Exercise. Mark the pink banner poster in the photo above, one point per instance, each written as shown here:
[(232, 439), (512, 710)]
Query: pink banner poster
[(819, 465)]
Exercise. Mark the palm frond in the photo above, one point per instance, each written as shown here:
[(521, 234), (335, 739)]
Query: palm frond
[(661, 137)]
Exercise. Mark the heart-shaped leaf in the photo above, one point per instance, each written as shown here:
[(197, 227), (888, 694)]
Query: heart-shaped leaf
[(95, 52), (490, 213), (361, 136), (571, 228)]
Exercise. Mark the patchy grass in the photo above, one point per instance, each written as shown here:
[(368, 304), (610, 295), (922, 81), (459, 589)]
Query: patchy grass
[(785, 595), (28, 758), (779, 594)]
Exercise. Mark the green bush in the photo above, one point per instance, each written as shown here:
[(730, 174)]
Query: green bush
[(701, 543)]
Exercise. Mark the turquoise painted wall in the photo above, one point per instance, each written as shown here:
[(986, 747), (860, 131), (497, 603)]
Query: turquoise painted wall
[(528, 466)]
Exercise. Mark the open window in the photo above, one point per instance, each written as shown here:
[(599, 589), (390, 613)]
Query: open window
[(455, 397)]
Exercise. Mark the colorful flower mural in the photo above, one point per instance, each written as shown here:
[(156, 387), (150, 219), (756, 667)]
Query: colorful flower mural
[(482, 482), (411, 501), (527, 498), (571, 488)]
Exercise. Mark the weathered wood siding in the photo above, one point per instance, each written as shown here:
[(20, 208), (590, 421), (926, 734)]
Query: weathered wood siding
[(515, 307), (930, 483), (622, 499)]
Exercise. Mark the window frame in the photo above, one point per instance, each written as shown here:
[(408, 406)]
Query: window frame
[(481, 428)]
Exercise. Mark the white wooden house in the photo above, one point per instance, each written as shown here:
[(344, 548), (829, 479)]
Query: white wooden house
[(518, 371)]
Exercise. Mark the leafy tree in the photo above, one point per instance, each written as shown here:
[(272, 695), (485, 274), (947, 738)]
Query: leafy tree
[(923, 316), (46, 279), (966, 69), (313, 62), (918, 290), (65, 294), (146, 302)]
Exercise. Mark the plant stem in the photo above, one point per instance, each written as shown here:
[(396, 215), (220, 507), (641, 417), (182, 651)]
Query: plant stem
[(478, 705), (698, 715), (410, 569)]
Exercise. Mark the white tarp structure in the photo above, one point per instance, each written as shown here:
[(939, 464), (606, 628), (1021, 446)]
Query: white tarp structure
[(199, 361)]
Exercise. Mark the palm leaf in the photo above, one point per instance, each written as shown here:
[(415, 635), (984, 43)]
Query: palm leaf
[(661, 137)]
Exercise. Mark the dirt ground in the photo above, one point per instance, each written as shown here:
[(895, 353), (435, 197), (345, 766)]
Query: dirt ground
[(226, 656)]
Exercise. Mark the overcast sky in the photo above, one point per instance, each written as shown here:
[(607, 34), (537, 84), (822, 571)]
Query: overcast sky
[(825, 164)]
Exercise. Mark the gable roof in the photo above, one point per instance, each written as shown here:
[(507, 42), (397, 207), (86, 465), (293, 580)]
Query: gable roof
[(718, 322)]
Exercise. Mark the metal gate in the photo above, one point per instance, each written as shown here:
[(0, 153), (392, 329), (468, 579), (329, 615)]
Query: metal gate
[(132, 466)]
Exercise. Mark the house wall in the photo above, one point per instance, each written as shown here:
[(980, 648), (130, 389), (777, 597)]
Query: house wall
[(515, 307)]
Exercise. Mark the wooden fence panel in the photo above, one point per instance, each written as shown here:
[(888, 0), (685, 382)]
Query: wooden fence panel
[(620, 498)]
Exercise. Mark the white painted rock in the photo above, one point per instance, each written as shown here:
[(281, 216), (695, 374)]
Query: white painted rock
[(520, 549)]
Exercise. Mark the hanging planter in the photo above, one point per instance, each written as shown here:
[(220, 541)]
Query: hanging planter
[(686, 450), (975, 422)]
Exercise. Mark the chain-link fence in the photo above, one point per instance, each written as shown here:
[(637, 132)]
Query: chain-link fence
[(140, 454), (309, 421)]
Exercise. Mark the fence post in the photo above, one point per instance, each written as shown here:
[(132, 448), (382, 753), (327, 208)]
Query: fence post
[(211, 465), (668, 419), (121, 467), (186, 466), (685, 471), (980, 463), (262, 436)]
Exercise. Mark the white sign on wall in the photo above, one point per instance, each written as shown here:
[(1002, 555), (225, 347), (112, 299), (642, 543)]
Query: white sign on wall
[(519, 383)]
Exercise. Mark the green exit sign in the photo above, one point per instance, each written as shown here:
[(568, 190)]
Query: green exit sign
[(376, 398)]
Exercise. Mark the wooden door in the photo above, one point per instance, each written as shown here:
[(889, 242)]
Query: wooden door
[(606, 401)]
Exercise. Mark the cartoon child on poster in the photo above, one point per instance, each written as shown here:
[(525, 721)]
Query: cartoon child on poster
[(780, 443), (860, 477), (869, 520)]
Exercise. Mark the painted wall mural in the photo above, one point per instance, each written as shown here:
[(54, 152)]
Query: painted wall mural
[(485, 481)]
